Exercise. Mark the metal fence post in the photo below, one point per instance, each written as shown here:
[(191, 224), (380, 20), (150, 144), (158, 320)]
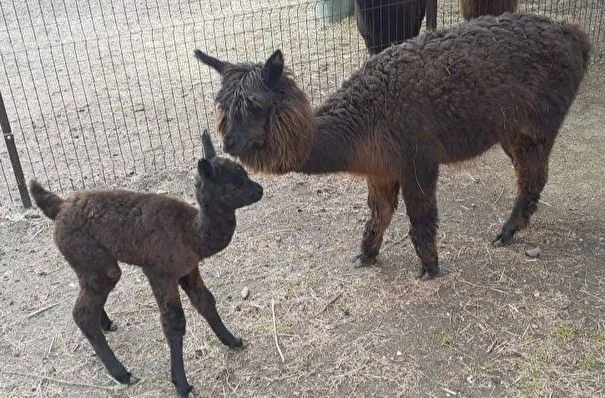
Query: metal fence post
[(9, 140)]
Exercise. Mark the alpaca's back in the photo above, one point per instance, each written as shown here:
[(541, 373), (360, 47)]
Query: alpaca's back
[(464, 89), (136, 228)]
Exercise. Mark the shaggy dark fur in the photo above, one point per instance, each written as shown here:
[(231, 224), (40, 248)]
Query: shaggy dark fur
[(475, 8), (443, 97), (382, 23), (165, 236)]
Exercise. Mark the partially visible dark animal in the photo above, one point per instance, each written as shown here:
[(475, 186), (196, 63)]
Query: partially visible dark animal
[(382, 23), (165, 236), (443, 97), (334, 10), (475, 8)]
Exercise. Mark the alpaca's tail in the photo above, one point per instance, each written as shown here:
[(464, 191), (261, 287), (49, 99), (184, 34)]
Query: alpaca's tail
[(48, 202)]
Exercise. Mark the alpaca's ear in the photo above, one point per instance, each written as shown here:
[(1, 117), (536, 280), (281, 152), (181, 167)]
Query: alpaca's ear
[(214, 63), (206, 169), (209, 151), (273, 68)]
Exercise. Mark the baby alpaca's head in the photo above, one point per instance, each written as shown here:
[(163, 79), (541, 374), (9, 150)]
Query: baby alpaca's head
[(222, 181)]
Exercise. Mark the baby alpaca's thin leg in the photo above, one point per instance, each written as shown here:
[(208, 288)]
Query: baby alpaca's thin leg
[(203, 300), (166, 293), (87, 313)]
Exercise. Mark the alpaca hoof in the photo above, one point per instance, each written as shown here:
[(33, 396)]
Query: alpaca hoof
[(364, 260), (502, 239), (126, 378), (109, 327), (133, 380), (233, 342), (237, 343), (191, 394), (187, 392), (430, 273)]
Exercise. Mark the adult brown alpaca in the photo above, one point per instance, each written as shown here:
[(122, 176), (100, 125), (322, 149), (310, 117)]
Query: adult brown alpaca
[(475, 8), (165, 236), (443, 97)]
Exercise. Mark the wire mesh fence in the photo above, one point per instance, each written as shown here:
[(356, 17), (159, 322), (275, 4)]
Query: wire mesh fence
[(99, 90)]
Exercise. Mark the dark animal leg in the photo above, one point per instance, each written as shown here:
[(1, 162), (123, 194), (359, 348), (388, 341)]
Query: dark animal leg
[(419, 194), (203, 300), (530, 159), (87, 313), (382, 200), (166, 292), (106, 324)]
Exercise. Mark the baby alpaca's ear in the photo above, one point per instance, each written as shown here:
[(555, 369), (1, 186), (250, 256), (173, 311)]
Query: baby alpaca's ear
[(206, 169)]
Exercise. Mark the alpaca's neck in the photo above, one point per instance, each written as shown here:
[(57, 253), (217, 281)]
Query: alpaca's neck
[(213, 228), (333, 150)]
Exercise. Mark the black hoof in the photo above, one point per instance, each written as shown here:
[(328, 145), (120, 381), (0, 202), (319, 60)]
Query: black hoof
[(364, 260), (431, 274), (232, 342), (109, 326), (236, 343), (190, 394), (186, 391), (502, 239), (126, 378)]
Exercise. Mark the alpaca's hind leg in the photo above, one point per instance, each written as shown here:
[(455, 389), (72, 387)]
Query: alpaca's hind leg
[(382, 200), (172, 316), (530, 159), (419, 194), (203, 300), (87, 313)]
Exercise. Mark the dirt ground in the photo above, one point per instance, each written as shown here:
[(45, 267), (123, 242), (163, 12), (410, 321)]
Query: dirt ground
[(496, 323)]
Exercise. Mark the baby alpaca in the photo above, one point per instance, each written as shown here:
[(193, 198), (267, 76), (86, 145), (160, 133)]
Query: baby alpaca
[(165, 236)]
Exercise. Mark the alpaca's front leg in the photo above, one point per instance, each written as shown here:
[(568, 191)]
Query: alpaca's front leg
[(382, 200), (203, 300)]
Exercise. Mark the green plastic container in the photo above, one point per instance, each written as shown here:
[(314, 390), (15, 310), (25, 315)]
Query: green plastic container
[(334, 10)]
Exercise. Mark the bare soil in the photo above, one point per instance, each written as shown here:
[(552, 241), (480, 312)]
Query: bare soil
[(496, 323)]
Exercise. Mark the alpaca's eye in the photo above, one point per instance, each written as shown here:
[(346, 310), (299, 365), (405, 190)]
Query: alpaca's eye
[(256, 110)]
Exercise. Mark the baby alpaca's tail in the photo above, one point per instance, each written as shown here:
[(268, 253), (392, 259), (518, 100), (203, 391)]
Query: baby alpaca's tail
[(48, 202)]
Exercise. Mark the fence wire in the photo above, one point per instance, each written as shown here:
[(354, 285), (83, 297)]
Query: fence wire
[(97, 91)]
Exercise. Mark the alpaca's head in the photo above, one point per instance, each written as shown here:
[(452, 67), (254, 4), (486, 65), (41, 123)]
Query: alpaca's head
[(265, 119), (223, 182)]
